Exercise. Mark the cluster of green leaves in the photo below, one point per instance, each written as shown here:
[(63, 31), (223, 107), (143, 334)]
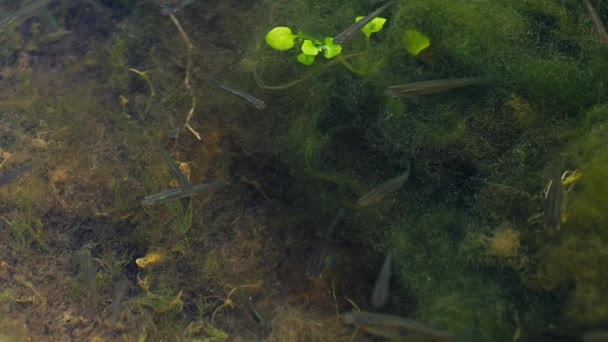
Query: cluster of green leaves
[(282, 38)]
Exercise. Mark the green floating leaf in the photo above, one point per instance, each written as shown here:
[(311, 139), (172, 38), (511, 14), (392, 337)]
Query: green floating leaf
[(309, 48), (373, 26), (331, 50), (280, 38), (306, 59), (415, 42)]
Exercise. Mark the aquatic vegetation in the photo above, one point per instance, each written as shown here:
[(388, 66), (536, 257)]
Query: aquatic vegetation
[(363, 24), (578, 254), (505, 243), (170, 11), (293, 324), (229, 303), (13, 175), (25, 232), (282, 38), (41, 300), (462, 252), (203, 331), (165, 304), (415, 42)]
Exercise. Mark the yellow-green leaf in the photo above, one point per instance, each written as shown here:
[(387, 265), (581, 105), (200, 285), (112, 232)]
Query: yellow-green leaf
[(415, 42), (309, 48), (306, 59), (331, 50), (373, 26), (280, 38)]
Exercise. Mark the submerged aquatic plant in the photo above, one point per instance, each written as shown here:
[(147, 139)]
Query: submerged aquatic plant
[(282, 38)]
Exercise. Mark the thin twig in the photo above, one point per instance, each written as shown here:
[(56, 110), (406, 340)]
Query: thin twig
[(188, 77), (262, 84)]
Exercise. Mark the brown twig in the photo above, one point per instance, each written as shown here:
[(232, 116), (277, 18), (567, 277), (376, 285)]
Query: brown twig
[(188, 77)]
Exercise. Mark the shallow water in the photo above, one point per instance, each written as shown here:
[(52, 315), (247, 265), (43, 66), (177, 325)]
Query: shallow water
[(89, 91)]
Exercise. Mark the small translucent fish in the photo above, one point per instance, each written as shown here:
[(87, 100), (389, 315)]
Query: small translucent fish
[(435, 86), (555, 201), (21, 15), (597, 23), (252, 310), (595, 336), (381, 289), (176, 194), (176, 172), (150, 259), (12, 176), (118, 296), (393, 327), (250, 99), (321, 260), (185, 190), (358, 26), (88, 272), (171, 7), (378, 193), (87, 269)]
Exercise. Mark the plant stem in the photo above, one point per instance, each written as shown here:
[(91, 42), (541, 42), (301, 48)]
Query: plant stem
[(287, 85)]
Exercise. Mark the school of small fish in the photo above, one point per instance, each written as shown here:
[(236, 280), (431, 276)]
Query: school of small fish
[(321, 261)]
